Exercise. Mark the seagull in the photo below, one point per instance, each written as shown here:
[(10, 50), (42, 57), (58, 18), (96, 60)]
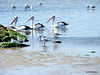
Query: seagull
[(13, 6), (92, 6), (39, 3)]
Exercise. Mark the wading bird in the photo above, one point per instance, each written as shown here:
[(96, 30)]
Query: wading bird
[(58, 24), (36, 26), (20, 28)]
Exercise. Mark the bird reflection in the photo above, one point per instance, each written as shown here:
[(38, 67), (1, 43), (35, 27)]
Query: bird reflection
[(44, 48), (55, 46), (31, 33), (64, 29)]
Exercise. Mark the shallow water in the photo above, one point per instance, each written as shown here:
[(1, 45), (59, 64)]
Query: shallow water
[(80, 37)]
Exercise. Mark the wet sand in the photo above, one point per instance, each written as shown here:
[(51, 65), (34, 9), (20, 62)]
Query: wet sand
[(17, 62)]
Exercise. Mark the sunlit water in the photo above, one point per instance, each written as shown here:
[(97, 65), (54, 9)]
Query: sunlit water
[(81, 36)]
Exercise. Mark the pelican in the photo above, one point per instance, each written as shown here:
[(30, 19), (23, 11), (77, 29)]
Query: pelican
[(36, 26), (58, 25), (20, 28)]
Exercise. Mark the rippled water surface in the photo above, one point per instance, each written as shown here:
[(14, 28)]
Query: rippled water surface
[(81, 36), (71, 57)]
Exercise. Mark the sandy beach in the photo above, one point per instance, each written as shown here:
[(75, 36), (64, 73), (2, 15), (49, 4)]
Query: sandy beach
[(14, 62)]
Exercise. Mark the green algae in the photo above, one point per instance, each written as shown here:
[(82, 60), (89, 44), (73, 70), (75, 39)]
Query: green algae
[(6, 34), (11, 44)]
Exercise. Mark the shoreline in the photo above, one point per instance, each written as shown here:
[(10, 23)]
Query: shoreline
[(55, 63)]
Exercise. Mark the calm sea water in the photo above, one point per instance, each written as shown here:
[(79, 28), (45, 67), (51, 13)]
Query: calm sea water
[(81, 36)]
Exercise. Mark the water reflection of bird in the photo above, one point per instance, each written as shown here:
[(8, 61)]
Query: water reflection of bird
[(54, 32), (55, 46), (22, 27), (40, 36), (58, 24), (44, 49)]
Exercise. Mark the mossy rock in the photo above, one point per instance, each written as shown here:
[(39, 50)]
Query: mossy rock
[(6, 34), (10, 44), (2, 28), (93, 51)]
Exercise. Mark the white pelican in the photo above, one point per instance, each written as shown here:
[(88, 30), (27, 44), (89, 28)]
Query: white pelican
[(36, 26), (20, 28), (58, 25)]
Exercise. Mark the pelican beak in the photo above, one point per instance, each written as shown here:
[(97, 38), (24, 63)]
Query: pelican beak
[(52, 17), (13, 20), (31, 18)]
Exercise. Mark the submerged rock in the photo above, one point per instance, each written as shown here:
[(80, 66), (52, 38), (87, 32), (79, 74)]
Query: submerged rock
[(11, 44)]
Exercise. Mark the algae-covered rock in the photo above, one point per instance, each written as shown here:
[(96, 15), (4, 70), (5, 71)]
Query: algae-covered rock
[(2, 29), (11, 44), (6, 35)]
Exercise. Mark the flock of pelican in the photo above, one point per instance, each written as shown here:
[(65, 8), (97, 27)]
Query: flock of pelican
[(25, 27), (38, 26)]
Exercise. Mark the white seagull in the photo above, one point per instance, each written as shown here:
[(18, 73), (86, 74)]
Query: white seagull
[(13, 6)]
